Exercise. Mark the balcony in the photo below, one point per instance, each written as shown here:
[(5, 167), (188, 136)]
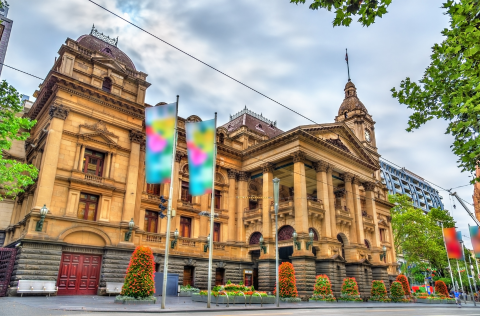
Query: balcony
[(253, 215), (152, 238)]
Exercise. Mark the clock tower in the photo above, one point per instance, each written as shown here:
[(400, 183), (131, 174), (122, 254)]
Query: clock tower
[(355, 115)]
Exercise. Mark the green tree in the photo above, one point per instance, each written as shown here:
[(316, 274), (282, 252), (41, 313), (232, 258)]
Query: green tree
[(14, 175)]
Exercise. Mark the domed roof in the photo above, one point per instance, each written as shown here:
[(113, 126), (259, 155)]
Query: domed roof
[(106, 49), (351, 101)]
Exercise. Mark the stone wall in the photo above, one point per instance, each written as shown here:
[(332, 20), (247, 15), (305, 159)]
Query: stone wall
[(35, 261), (305, 275), (114, 267), (335, 270), (380, 273), (266, 275), (363, 275)]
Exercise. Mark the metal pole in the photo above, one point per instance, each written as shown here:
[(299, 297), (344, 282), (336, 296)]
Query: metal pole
[(448, 259), (473, 273), (276, 193), (169, 213), (459, 276), (469, 282), (212, 216)]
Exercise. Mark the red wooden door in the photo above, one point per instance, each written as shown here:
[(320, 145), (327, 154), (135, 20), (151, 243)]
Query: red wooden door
[(79, 274)]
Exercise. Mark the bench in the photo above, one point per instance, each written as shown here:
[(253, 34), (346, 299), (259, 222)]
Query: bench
[(36, 286), (113, 288)]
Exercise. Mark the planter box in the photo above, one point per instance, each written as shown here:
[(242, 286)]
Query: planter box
[(222, 299), (427, 301), (186, 293), (134, 302), (340, 301), (322, 302)]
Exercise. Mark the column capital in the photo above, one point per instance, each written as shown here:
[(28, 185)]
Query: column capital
[(268, 167), (321, 166), (58, 111), (369, 186), (339, 194), (348, 177), (232, 173), (143, 146), (179, 155), (299, 156), (243, 176), (356, 181), (136, 136)]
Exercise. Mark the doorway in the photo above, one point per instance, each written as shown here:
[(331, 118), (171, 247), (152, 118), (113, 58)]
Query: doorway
[(220, 276), (284, 254), (78, 274), (188, 273)]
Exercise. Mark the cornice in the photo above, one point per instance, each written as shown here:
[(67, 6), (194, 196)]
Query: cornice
[(88, 137), (384, 203)]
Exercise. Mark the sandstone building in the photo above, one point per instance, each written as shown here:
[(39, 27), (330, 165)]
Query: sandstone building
[(89, 148)]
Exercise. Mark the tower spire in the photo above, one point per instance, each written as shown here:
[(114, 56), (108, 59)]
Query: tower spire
[(348, 67)]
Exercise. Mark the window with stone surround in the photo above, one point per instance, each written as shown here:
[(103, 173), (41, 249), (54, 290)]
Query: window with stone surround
[(87, 207), (93, 162), (107, 85), (151, 222), (383, 235), (186, 197), (153, 189), (218, 197), (216, 232), (185, 227)]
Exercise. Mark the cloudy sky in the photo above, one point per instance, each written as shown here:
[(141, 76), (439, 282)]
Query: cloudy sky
[(288, 52)]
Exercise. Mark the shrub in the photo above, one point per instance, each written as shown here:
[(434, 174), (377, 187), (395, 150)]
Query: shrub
[(139, 279), (288, 287), (397, 294), (406, 286), (441, 288), (379, 292), (350, 290), (322, 290)]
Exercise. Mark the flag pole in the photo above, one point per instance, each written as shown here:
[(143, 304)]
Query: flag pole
[(169, 212), (448, 259), (468, 278), (212, 216), (348, 67), (475, 258), (471, 266), (459, 275)]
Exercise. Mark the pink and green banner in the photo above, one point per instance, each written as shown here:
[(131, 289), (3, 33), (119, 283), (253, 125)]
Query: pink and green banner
[(201, 152), (475, 236), (454, 248), (160, 128)]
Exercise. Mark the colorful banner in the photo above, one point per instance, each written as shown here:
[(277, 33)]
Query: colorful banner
[(160, 129), (454, 249), (201, 151), (475, 236)]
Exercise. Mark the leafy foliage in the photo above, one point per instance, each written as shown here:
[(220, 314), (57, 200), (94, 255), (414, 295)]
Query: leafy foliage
[(350, 290), (139, 279), (288, 283), (368, 10), (449, 88), (322, 290), (379, 292), (404, 281), (14, 175), (441, 288), (397, 294)]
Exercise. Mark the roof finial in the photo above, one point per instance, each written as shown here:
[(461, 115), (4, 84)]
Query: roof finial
[(348, 67)]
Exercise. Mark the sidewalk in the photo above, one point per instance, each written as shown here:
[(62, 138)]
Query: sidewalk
[(184, 304)]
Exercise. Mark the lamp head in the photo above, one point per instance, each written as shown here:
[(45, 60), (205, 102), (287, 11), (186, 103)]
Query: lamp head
[(44, 210), (261, 239), (208, 238), (311, 234), (176, 233), (294, 234), (131, 223), (384, 248)]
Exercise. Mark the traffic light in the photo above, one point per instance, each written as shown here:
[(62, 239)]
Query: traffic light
[(162, 207)]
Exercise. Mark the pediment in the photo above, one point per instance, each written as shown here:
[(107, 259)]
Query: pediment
[(99, 138), (112, 63), (98, 132)]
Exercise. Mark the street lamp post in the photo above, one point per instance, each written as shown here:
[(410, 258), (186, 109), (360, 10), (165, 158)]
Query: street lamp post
[(175, 236), (43, 213), (128, 234), (276, 193)]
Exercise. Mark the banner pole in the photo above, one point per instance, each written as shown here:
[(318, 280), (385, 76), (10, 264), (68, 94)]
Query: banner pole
[(212, 216), (448, 259), (468, 278), (459, 276), (475, 258), (169, 212)]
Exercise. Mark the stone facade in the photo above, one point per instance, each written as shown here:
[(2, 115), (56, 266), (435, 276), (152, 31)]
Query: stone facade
[(89, 148)]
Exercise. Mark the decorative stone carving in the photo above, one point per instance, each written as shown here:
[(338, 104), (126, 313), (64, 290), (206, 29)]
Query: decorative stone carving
[(339, 194), (190, 262), (58, 111), (232, 173), (243, 176), (136, 137), (143, 146), (267, 167), (179, 156), (320, 166), (348, 177), (100, 126), (221, 265), (356, 181), (338, 143), (299, 156), (369, 186)]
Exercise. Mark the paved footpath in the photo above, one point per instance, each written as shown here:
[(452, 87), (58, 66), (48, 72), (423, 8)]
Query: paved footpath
[(79, 305)]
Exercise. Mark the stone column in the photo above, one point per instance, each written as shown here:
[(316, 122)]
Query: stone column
[(204, 220), (333, 219), (80, 158), (348, 177), (141, 219), (232, 203), (300, 193), (112, 167), (132, 176), (358, 210), (108, 162), (322, 194), (46, 178), (267, 192), (372, 210), (77, 156), (242, 204)]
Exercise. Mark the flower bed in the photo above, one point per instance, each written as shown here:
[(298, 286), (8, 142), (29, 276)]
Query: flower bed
[(186, 291), (128, 300), (350, 291), (379, 292), (433, 300), (231, 298), (322, 290)]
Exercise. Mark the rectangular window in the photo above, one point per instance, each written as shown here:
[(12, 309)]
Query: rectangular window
[(216, 231), (186, 197), (185, 227), (382, 234), (87, 207), (93, 162), (151, 222), (153, 189), (218, 195), (252, 205)]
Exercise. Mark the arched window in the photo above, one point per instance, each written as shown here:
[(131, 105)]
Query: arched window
[(255, 238), (285, 233), (367, 244), (346, 114), (107, 84)]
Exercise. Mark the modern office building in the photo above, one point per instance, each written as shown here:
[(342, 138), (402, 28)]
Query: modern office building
[(5, 29), (403, 181)]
